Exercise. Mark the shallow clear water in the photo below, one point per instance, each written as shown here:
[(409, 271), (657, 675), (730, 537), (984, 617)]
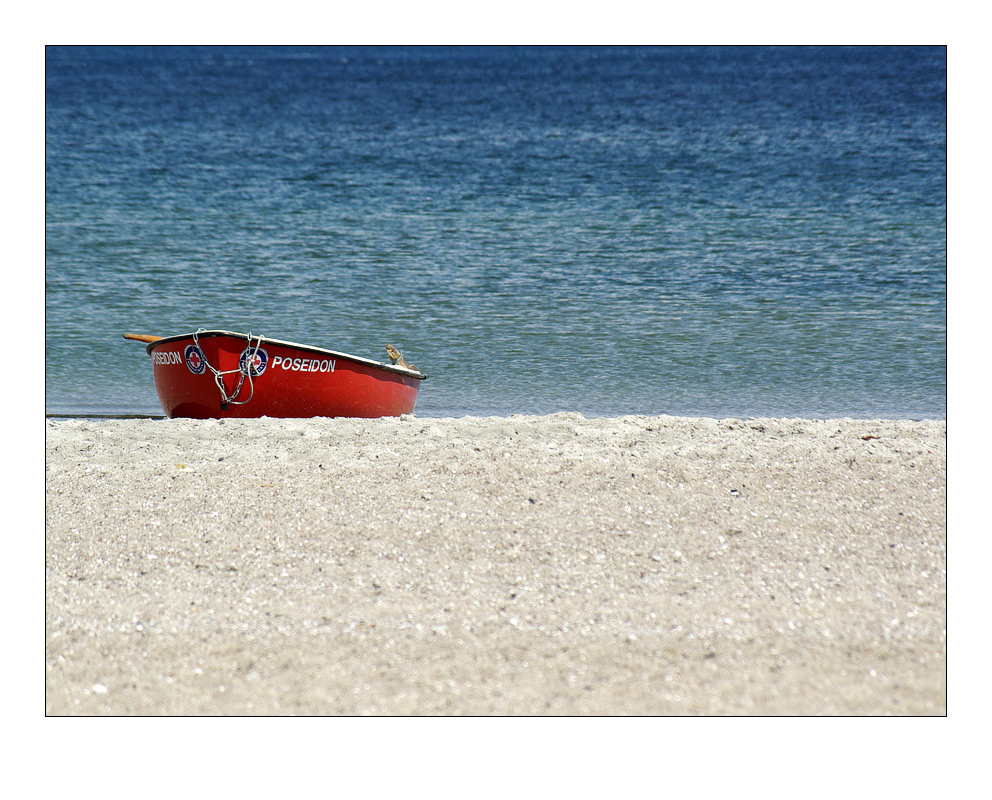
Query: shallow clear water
[(699, 231)]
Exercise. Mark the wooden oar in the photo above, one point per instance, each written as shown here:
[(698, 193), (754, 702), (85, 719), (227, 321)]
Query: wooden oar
[(142, 337)]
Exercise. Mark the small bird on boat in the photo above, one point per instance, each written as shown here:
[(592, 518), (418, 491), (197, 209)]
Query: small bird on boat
[(397, 357)]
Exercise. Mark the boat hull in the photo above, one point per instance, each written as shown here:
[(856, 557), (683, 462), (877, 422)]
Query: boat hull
[(220, 374)]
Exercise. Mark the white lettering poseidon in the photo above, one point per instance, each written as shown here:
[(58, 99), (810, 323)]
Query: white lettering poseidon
[(159, 357), (304, 364)]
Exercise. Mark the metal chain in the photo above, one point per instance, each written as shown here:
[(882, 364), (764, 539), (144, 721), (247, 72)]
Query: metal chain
[(225, 400)]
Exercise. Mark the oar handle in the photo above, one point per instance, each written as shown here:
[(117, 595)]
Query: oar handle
[(140, 337)]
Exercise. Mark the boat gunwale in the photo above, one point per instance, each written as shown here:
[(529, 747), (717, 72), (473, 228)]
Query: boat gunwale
[(412, 373)]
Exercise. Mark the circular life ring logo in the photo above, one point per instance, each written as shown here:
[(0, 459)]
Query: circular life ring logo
[(195, 361), (253, 361)]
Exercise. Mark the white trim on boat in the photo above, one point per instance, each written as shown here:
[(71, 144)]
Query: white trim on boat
[(282, 343)]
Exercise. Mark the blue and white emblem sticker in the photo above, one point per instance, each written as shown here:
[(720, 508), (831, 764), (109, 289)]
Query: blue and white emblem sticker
[(194, 359), (254, 359)]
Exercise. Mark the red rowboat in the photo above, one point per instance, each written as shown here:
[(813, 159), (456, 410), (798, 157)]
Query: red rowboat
[(215, 374)]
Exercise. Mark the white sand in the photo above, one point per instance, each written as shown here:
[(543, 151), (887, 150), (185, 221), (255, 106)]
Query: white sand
[(521, 565)]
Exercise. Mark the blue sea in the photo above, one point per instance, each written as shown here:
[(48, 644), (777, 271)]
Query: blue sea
[(703, 231)]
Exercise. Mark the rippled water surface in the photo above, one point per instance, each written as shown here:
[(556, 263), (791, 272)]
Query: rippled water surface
[(712, 231)]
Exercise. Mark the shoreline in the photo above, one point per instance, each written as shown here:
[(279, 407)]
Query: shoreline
[(501, 565), (162, 416)]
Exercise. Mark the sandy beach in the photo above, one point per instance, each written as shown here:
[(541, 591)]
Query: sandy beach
[(495, 566)]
